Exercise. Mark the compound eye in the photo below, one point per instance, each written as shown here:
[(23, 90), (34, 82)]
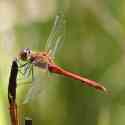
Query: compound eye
[(27, 50), (25, 53)]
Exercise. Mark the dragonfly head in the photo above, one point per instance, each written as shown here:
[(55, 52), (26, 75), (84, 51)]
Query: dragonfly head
[(25, 54)]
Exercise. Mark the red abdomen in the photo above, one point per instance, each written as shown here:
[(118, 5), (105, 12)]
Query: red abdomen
[(56, 69)]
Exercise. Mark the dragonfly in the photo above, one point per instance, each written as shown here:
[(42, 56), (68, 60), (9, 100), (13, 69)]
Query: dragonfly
[(12, 93), (45, 59)]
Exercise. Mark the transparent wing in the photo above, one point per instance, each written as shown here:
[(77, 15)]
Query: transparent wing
[(32, 92), (57, 34), (25, 76), (38, 85)]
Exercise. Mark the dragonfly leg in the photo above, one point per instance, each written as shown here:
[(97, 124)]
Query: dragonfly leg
[(22, 73), (23, 65), (26, 70), (32, 73), (26, 74)]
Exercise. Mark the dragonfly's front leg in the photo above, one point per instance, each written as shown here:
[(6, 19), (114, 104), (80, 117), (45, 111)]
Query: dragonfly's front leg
[(26, 69), (27, 77), (31, 71), (23, 66)]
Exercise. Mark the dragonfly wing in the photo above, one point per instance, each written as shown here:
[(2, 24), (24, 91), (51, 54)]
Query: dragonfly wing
[(32, 92), (35, 89), (57, 34)]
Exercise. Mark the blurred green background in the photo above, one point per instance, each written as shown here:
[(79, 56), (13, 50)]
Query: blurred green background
[(93, 46)]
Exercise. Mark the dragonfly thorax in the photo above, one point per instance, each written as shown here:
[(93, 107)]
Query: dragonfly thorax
[(40, 59), (43, 65)]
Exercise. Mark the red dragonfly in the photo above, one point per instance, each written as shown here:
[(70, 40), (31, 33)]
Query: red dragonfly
[(45, 59)]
